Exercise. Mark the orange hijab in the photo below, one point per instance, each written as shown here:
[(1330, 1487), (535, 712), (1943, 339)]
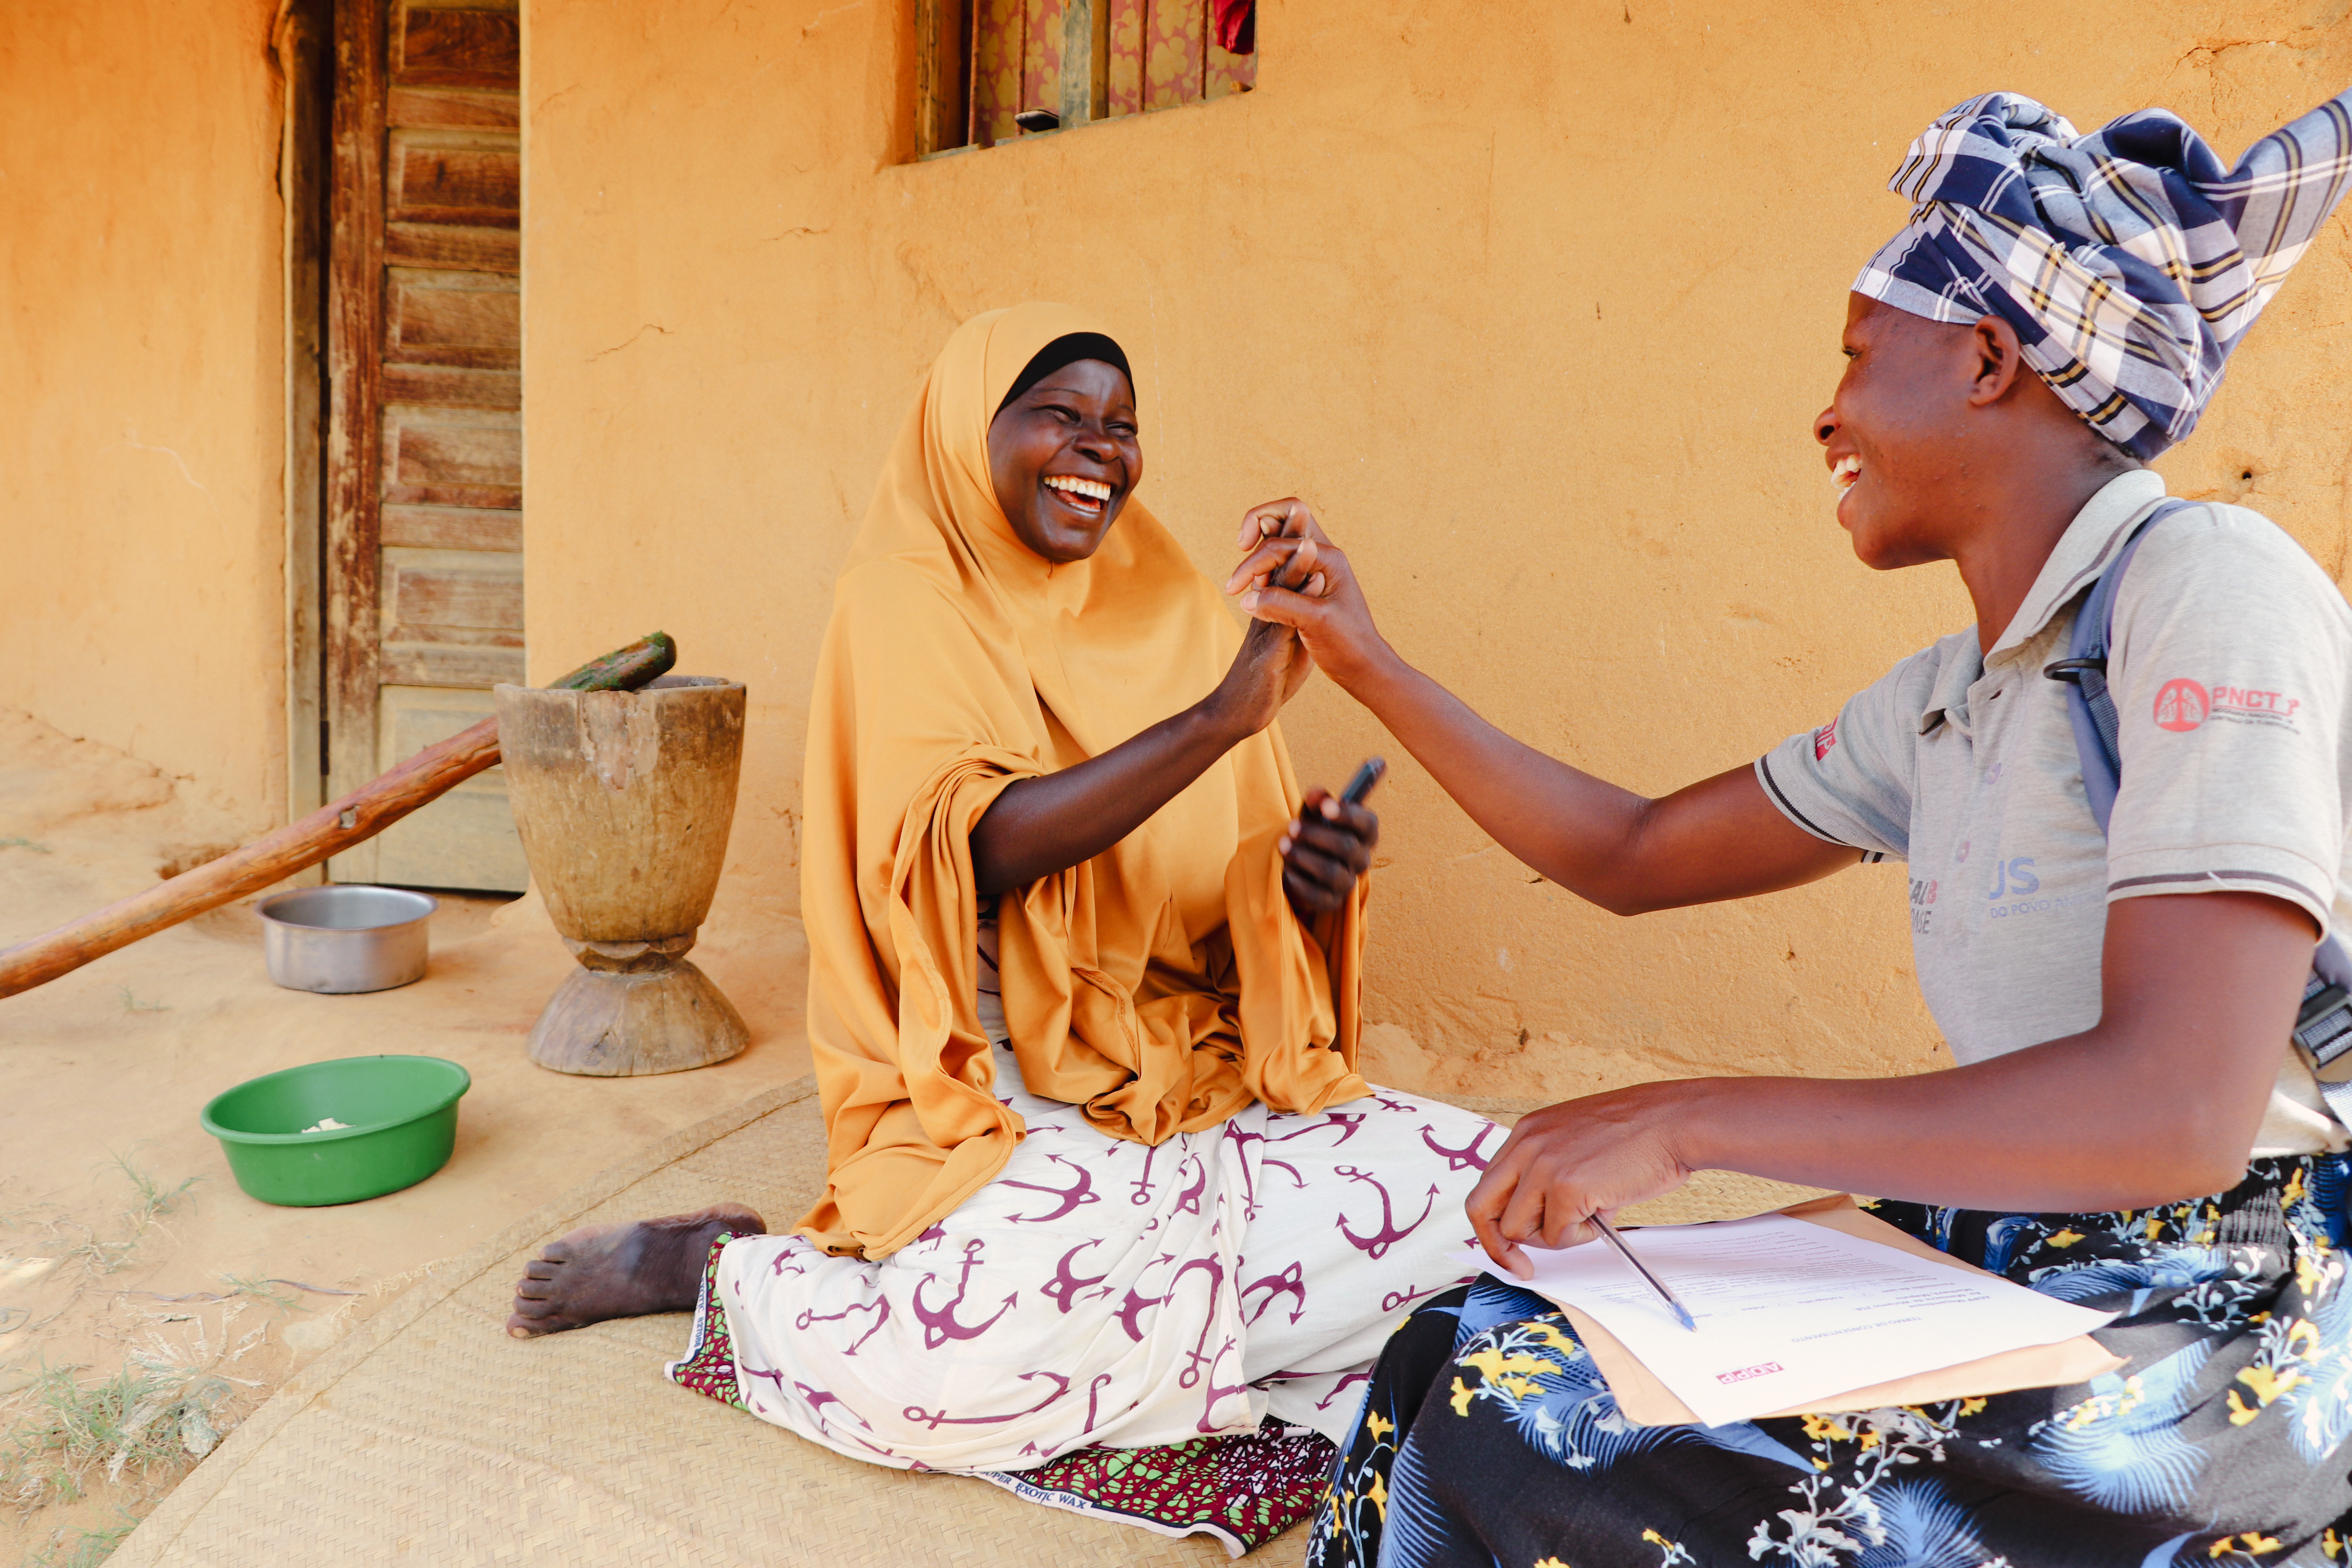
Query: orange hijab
[(1164, 984)]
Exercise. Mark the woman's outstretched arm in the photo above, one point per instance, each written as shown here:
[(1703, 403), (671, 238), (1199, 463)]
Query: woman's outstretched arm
[(1042, 826), (1717, 838), (2156, 1103)]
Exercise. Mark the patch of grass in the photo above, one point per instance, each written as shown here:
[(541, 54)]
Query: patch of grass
[(99, 1256), (132, 1004), (238, 1285), (63, 1433), (151, 1200), (89, 1548), (154, 1197), (21, 842)]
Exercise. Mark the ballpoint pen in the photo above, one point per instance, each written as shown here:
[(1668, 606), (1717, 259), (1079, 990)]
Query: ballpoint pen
[(1681, 1313)]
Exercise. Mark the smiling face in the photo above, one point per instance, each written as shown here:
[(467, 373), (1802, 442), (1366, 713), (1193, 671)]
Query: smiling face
[(1064, 457), (1897, 434)]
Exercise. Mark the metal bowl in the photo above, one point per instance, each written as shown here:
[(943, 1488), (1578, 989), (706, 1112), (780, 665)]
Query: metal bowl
[(345, 937)]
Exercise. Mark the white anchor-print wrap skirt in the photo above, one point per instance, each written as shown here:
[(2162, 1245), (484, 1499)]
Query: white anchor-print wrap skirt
[(1100, 1291)]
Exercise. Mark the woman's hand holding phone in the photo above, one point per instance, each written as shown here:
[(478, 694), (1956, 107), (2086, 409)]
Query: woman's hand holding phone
[(1329, 844)]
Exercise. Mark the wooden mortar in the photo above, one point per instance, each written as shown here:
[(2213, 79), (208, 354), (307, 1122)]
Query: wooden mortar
[(624, 799)]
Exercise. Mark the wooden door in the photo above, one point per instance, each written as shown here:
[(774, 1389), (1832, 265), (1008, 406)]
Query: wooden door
[(423, 561)]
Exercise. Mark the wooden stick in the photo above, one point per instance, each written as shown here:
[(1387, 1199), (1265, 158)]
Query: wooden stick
[(330, 830)]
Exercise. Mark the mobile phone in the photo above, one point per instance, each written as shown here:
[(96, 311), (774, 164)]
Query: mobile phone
[(1370, 774)]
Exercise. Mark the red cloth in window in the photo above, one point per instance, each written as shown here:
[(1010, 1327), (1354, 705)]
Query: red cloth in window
[(1237, 26)]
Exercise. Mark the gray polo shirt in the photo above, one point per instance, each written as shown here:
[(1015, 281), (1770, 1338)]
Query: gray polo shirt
[(2232, 668)]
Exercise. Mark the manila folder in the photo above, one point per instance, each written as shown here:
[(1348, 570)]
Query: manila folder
[(1646, 1401)]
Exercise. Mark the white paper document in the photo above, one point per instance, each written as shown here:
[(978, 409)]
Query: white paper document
[(1789, 1312)]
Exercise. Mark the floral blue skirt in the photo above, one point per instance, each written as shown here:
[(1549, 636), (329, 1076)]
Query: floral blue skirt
[(1489, 1436)]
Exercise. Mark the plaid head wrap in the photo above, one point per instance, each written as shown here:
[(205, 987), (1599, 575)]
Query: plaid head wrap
[(2129, 261)]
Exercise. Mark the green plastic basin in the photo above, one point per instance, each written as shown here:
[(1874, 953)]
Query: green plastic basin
[(400, 1116)]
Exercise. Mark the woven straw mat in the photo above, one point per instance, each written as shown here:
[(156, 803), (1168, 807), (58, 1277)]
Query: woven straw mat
[(431, 1437)]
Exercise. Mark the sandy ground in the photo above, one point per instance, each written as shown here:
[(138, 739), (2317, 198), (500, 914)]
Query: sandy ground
[(125, 1244), (125, 1241)]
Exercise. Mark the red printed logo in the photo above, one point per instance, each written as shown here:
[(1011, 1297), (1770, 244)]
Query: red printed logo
[(2181, 705), (1823, 738), (1762, 1369)]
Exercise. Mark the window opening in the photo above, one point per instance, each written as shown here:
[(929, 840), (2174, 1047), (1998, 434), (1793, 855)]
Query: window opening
[(991, 70)]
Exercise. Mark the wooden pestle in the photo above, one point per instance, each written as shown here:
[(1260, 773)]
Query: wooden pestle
[(333, 828)]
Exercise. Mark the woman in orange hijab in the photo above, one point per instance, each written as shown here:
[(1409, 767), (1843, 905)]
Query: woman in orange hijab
[(1084, 989)]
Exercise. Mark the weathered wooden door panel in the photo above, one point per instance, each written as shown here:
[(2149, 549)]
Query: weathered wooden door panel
[(425, 532), (452, 527), (465, 44), (428, 246), (437, 386), (465, 839), (470, 457), (471, 320), (457, 619), (453, 177)]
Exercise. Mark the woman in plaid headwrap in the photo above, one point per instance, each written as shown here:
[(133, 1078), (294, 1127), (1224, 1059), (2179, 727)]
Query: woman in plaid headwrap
[(2058, 309)]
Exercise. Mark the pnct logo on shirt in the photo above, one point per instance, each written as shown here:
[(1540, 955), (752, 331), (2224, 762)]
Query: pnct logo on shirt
[(2181, 705), (1824, 738)]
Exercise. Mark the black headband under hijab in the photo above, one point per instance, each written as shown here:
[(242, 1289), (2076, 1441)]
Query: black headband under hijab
[(1067, 350)]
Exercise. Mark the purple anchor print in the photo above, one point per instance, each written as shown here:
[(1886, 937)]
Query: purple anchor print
[(1343, 1122), (1177, 1313), (880, 1309), (1189, 1200), (940, 1325), (1080, 1191), (935, 1420), (1411, 1293), (1291, 1282), (1377, 1245), (1218, 1391), (1332, 1401), (1465, 1158), (1143, 1184), (1132, 1310), (1064, 1288), (1094, 1391)]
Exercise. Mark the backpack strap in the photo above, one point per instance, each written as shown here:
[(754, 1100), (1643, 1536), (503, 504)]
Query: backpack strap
[(2322, 1026), (2091, 706)]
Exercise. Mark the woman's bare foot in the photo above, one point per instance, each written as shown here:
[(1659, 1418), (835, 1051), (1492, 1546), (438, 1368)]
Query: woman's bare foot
[(602, 1271)]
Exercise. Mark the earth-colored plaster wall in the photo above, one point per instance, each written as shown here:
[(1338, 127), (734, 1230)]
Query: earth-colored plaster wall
[(1533, 301), (141, 440)]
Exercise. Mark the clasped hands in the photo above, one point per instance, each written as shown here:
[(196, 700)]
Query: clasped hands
[(1562, 1164), (1328, 844)]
